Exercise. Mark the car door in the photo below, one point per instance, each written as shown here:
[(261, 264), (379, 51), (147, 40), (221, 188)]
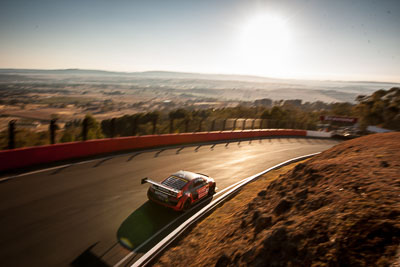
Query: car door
[(197, 191), (202, 188)]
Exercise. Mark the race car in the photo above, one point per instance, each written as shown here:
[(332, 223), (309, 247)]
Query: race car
[(181, 190)]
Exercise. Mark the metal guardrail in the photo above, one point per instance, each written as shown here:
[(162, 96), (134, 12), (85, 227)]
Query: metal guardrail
[(123, 127), (164, 243)]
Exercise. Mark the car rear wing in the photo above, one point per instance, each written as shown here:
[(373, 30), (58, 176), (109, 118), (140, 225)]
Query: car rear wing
[(165, 189)]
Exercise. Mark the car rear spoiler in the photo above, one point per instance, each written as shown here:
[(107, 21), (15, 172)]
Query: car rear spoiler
[(159, 185)]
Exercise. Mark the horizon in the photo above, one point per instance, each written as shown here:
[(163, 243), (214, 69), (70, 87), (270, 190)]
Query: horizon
[(289, 39), (205, 73)]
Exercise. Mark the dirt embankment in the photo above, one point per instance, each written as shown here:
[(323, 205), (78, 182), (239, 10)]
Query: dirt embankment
[(340, 208)]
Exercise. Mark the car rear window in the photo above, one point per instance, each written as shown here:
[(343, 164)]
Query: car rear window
[(175, 182)]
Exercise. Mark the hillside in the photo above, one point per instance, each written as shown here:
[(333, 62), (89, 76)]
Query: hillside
[(340, 208)]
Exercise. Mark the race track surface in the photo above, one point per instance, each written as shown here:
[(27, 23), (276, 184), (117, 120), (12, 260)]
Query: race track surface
[(67, 215)]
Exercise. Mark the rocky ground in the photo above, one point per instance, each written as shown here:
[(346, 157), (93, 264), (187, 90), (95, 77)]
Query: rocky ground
[(340, 208)]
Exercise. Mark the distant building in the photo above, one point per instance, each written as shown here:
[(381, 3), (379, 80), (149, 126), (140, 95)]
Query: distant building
[(266, 102), (292, 102), (349, 120)]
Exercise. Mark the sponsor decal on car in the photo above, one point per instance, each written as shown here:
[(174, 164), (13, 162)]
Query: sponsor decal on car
[(202, 191)]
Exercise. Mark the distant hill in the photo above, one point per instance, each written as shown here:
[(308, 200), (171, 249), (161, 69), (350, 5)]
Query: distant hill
[(58, 71), (145, 74), (182, 75)]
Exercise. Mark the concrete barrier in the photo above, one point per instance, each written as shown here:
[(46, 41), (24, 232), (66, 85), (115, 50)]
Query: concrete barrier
[(319, 134), (24, 157)]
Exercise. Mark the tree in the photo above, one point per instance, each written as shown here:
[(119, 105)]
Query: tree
[(93, 130), (382, 108), (342, 109), (153, 118), (276, 116), (176, 114), (68, 136), (136, 119), (202, 114), (188, 117)]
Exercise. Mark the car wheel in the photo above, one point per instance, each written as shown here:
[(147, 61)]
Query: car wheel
[(211, 191), (187, 204)]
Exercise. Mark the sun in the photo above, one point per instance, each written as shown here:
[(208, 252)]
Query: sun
[(264, 44)]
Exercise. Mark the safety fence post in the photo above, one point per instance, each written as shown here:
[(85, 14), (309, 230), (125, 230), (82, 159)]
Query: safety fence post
[(11, 134), (234, 125), (53, 127), (213, 125), (84, 129), (112, 127)]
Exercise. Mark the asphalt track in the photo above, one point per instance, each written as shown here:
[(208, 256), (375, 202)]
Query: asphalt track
[(76, 214)]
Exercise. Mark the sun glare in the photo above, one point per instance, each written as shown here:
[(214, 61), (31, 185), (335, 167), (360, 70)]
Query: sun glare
[(264, 45)]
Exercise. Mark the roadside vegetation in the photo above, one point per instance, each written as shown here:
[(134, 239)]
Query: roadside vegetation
[(382, 108)]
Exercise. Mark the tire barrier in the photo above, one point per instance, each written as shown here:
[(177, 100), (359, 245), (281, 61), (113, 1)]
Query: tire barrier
[(29, 156)]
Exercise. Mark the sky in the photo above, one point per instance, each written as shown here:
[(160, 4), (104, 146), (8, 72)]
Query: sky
[(301, 39)]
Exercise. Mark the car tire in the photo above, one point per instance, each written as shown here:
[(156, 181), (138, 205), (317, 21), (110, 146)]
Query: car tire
[(211, 191), (187, 204)]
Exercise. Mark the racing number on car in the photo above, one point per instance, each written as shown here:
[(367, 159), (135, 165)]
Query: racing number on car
[(202, 191)]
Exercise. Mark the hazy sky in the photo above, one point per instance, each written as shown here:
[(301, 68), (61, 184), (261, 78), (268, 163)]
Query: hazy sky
[(314, 39)]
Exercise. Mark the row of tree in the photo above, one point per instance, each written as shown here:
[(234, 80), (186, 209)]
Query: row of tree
[(184, 120), (382, 108)]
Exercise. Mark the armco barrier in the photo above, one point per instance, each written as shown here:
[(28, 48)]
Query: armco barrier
[(23, 157)]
